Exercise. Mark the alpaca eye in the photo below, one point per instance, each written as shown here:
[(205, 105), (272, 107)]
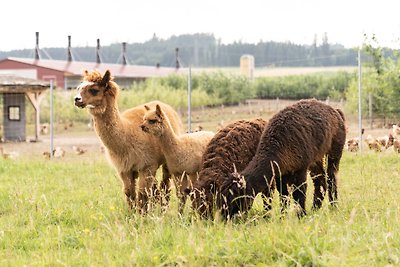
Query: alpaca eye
[(93, 92), (152, 121)]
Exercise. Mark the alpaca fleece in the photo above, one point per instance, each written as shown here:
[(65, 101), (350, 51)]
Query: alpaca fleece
[(297, 139), (133, 153), (231, 149), (183, 153)]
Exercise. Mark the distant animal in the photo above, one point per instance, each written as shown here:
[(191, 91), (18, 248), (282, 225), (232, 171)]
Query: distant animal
[(198, 128), (46, 154), (58, 152), (352, 144), (298, 138), (374, 144), (78, 150), (395, 142), (232, 148), (132, 152), (183, 152), (8, 155), (44, 128)]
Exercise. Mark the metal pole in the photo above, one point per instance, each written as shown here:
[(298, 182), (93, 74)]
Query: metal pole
[(51, 120), (359, 99), (370, 110), (189, 99)]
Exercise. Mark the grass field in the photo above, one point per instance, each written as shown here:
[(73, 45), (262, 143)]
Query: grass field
[(72, 212)]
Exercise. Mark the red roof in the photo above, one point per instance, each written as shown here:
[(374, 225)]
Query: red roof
[(76, 68)]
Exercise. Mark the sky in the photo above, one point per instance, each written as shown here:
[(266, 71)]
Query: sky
[(117, 21)]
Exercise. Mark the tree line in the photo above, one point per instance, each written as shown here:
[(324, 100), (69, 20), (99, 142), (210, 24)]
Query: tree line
[(204, 50)]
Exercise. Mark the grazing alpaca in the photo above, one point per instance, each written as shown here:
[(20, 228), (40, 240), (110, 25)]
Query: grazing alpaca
[(183, 153), (298, 138), (133, 153), (232, 148)]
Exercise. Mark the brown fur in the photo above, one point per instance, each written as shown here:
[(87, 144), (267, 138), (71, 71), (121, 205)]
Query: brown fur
[(232, 148), (183, 153), (133, 153), (393, 141), (298, 138), (352, 144)]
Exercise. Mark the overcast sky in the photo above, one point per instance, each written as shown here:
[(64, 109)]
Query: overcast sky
[(118, 21)]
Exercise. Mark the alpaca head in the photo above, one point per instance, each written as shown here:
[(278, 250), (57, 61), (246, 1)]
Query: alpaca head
[(153, 121), (94, 91), (234, 197), (203, 199)]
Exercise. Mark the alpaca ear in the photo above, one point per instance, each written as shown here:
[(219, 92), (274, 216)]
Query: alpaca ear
[(159, 111), (146, 107), (106, 78)]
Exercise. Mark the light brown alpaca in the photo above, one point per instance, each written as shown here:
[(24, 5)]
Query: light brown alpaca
[(183, 152), (133, 153)]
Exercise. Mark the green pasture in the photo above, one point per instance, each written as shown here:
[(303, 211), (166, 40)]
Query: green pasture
[(73, 213)]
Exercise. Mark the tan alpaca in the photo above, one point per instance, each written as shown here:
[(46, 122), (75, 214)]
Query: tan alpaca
[(133, 153), (183, 153)]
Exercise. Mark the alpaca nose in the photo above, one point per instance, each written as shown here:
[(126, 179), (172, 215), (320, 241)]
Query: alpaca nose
[(78, 99)]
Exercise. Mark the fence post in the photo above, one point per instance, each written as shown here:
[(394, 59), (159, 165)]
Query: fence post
[(51, 120), (359, 99)]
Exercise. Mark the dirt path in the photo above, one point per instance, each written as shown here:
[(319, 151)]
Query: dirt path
[(87, 141)]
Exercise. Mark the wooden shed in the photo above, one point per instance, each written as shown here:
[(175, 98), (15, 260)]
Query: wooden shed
[(13, 90)]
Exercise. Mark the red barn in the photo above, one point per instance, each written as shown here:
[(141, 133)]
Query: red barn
[(68, 74)]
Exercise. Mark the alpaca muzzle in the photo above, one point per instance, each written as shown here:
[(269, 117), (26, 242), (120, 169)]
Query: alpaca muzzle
[(144, 128), (79, 102)]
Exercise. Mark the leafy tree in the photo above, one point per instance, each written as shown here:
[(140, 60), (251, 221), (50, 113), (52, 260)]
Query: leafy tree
[(381, 80)]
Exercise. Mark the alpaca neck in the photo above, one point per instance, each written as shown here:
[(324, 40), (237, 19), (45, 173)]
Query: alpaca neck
[(109, 127), (168, 138), (258, 174)]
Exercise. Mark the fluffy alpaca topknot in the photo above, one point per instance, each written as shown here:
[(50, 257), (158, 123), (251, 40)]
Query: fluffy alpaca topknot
[(106, 81), (95, 76)]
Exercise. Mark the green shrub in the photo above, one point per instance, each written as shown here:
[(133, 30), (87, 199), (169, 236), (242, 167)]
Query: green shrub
[(319, 86)]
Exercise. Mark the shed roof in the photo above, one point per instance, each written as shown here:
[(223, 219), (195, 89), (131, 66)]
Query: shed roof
[(17, 84), (76, 68)]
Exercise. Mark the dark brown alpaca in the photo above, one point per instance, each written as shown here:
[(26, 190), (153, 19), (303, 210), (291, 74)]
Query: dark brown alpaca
[(297, 139), (231, 148), (134, 154)]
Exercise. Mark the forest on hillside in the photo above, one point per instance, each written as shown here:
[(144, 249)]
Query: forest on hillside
[(204, 50)]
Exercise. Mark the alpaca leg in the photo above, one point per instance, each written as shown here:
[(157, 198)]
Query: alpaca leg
[(165, 186), (332, 182), (182, 202), (178, 190), (319, 179), (129, 180), (267, 196), (183, 184), (300, 190), (146, 190), (333, 167)]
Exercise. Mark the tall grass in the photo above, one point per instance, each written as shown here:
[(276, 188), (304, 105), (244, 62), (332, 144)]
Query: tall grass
[(73, 213)]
